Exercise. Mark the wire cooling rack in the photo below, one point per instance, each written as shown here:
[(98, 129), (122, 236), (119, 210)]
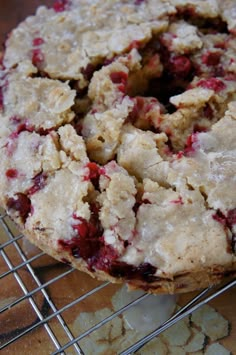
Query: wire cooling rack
[(44, 312)]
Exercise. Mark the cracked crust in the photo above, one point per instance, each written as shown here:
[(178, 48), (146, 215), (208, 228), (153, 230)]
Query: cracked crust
[(117, 139)]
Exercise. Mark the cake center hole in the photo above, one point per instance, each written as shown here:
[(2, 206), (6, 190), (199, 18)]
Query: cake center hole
[(171, 74)]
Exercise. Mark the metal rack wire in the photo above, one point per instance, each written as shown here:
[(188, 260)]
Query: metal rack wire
[(16, 261)]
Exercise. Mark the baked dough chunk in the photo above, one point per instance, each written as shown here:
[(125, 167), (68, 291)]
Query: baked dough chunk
[(117, 138)]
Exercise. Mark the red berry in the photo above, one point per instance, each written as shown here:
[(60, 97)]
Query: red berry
[(94, 174), (180, 66), (60, 5), (221, 45), (189, 148), (212, 83), (15, 120), (198, 128), (179, 201), (219, 217), (12, 173), (106, 256), (88, 242), (134, 44), (230, 77), (93, 170), (37, 57), (142, 107), (89, 245), (143, 272), (39, 182), (137, 108), (82, 228), (43, 131), (211, 58), (179, 155), (231, 217), (22, 127), (119, 77), (21, 204), (208, 111), (38, 41)]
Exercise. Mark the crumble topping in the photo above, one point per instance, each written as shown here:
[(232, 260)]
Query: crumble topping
[(117, 136)]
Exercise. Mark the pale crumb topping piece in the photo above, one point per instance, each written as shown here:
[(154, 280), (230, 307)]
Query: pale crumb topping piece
[(108, 84), (197, 109), (26, 156), (58, 223), (228, 10), (193, 97), (101, 131), (182, 38), (159, 232), (50, 154), (83, 36), (140, 153), (72, 143), (46, 103), (214, 165), (102, 125), (117, 199)]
